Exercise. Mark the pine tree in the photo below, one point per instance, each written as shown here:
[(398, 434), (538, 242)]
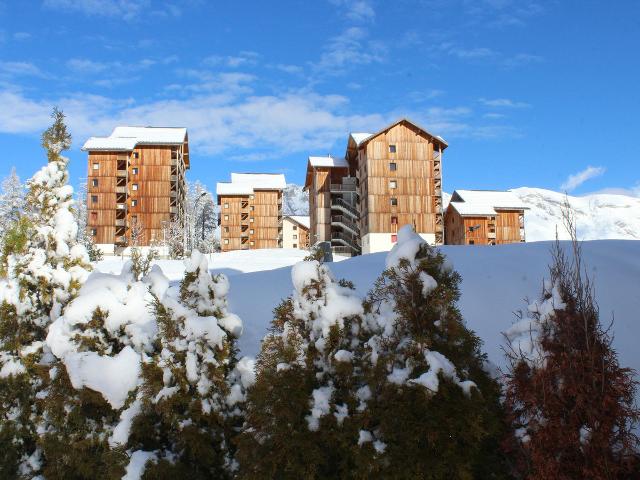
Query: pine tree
[(12, 201), (43, 274), (429, 409), (194, 387), (569, 402), (300, 412)]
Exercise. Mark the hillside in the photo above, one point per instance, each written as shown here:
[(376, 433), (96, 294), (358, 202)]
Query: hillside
[(496, 281)]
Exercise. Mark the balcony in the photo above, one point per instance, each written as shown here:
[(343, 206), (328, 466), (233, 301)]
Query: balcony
[(344, 222), (173, 209), (345, 240), (343, 187), (174, 178), (345, 207), (121, 173), (121, 222), (121, 240), (121, 206), (173, 194), (121, 189)]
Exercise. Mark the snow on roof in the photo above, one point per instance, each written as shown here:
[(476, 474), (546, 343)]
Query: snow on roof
[(485, 202), (126, 138), (303, 220), (360, 137), (260, 181), (230, 188), (328, 161)]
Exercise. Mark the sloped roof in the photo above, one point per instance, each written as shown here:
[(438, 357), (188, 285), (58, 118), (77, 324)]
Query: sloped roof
[(303, 220), (230, 188), (126, 138), (485, 202), (328, 161), (361, 139), (260, 181)]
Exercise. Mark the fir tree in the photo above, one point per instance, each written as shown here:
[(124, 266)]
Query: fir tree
[(12, 201), (300, 412), (429, 409), (43, 274), (193, 389), (570, 403)]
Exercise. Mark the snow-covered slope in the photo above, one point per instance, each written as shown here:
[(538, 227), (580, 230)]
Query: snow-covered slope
[(597, 216), (495, 283)]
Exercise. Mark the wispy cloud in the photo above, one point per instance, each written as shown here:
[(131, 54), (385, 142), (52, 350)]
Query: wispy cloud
[(349, 49), (356, 10), (488, 55), (244, 58), (574, 181), (21, 36), (126, 9), (503, 103), (20, 69)]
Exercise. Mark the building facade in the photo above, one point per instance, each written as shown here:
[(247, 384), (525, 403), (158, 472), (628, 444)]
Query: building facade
[(136, 187), (385, 180), (295, 232), (483, 217), (251, 211)]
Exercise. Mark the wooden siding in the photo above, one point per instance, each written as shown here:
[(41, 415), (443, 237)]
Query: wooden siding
[(505, 227)]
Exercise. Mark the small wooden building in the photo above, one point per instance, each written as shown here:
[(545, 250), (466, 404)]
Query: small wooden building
[(136, 185), (484, 217), (295, 232), (251, 211)]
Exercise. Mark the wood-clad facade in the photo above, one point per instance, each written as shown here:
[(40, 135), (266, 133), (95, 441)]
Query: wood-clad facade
[(250, 216), (496, 219), (133, 195), (395, 176)]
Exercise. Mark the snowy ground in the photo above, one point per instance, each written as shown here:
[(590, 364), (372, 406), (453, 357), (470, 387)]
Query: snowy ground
[(496, 282)]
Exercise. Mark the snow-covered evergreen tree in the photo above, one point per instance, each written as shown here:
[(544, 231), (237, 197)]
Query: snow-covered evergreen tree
[(190, 402), (300, 411), (201, 219), (12, 201), (41, 278), (429, 410), (570, 403)]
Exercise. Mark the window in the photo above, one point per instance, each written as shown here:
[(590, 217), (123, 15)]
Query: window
[(394, 201), (226, 229), (226, 205), (394, 220), (471, 242), (394, 238), (252, 208), (134, 202), (135, 171), (136, 155), (295, 227), (94, 216), (94, 232), (226, 241), (251, 220), (251, 232), (393, 184), (94, 199), (295, 237), (295, 245), (251, 197), (134, 187), (226, 217), (96, 166), (94, 182), (393, 166), (252, 243), (392, 149)]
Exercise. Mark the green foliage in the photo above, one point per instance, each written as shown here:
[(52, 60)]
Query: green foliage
[(95, 254), (14, 242), (141, 262), (315, 253), (56, 138)]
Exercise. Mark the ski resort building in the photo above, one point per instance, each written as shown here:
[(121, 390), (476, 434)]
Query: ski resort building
[(295, 232), (385, 180), (484, 217), (136, 187), (251, 211)]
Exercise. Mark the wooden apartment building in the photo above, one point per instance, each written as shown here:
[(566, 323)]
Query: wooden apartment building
[(251, 211), (385, 180), (295, 232), (484, 217), (136, 185)]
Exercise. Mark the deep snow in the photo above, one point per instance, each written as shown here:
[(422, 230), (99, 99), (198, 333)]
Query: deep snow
[(496, 281)]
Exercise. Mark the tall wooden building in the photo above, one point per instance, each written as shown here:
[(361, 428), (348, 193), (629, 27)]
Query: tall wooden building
[(136, 185), (484, 217), (251, 211), (386, 179)]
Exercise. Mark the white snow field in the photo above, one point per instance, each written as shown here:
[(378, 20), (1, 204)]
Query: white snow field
[(496, 281)]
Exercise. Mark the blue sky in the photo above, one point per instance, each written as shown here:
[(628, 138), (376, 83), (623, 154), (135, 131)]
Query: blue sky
[(527, 94)]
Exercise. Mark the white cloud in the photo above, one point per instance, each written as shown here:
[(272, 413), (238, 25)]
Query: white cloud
[(21, 36), (356, 10), (577, 179), (503, 103), (349, 49), (244, 58), (127, 9), (15, 69)]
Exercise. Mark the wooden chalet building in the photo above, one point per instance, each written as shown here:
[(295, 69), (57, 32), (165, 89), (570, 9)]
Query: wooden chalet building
[(251, 211), (295, 232), (484, 217), (385, 180), (136, 185)]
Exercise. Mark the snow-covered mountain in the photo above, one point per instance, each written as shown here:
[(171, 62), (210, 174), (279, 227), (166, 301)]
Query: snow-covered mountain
[(598, 217)]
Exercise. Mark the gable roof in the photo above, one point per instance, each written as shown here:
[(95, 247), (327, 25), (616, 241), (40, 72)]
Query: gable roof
[(361, 139), (126, 138), (484, 203), (304, 220), (328, 161)]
